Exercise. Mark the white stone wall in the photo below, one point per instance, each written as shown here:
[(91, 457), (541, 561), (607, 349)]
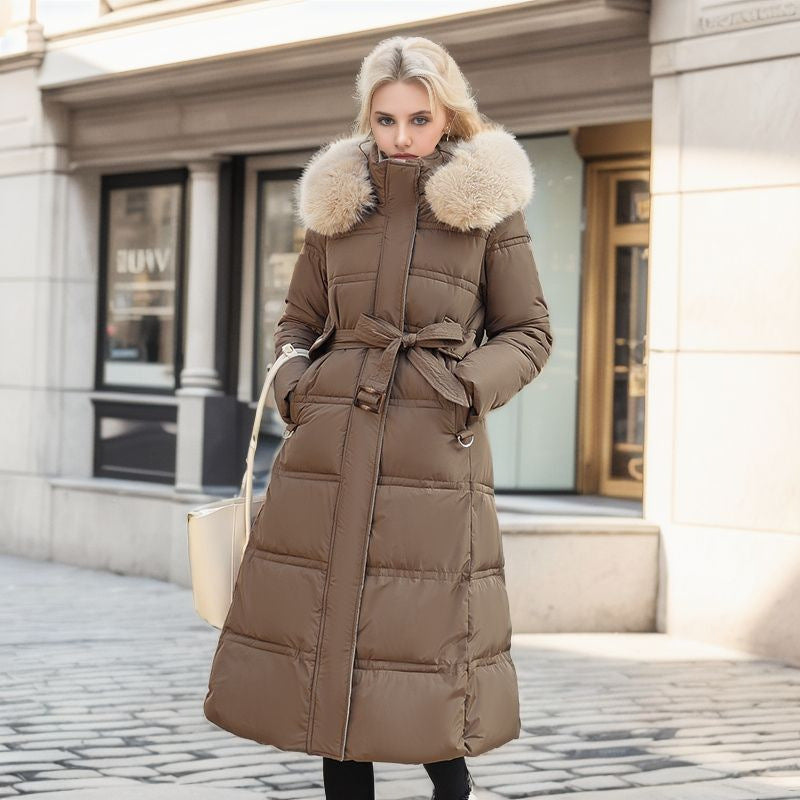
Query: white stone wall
[(723, 415), (50, 507), (117, 95), (37, 298)]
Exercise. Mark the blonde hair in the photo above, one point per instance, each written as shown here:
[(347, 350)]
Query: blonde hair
[(405, 58)]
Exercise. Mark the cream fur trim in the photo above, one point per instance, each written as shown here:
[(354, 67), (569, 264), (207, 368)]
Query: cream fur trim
[(487, 179), (335, 192)]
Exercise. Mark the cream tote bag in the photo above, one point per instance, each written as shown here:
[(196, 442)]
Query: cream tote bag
[(219, 531)]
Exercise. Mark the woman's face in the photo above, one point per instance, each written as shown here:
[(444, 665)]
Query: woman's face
[(402, 121)]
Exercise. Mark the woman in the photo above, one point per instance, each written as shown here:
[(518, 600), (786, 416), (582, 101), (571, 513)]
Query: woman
[(370, 619)]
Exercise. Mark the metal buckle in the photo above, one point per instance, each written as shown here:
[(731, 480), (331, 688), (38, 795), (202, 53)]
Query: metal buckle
[(366, 402), (289, 429), (461, 441)]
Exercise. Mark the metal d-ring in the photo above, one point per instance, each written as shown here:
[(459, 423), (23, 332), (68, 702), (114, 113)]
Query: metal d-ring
[(461, 441)]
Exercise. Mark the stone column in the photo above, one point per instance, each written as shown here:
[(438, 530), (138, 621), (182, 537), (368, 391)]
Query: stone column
[(723, 429), (199, 369), (206, 416)]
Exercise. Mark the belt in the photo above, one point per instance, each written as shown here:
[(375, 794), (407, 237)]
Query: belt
[(371, 331)]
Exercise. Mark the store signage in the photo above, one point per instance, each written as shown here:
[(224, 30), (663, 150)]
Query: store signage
[(153, 260), (721, 15)]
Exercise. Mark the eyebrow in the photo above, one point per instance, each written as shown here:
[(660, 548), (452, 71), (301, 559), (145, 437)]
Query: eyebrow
[(416, 113)]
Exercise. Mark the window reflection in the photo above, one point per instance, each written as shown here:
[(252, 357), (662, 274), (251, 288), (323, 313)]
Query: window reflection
[(279, 243), (141, 267), (135, 442), (628, 400), (633, 201)]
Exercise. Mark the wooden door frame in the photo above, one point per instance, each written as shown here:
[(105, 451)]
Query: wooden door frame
[(597, 330)]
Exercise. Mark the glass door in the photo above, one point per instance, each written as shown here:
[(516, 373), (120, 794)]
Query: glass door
[(615, 324), (622, 470)]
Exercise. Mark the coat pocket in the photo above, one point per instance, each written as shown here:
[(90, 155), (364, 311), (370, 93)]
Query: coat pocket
[(308, 379), (303, 382), (284, 383), (306, 385), (294, 404)]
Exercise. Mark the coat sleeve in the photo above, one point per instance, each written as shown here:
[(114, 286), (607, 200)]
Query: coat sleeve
[(303, 318), (517, 322)]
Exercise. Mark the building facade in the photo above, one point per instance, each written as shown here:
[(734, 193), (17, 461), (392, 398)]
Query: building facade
[(147, 158)]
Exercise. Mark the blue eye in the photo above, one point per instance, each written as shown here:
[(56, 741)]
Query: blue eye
[(381, 120)]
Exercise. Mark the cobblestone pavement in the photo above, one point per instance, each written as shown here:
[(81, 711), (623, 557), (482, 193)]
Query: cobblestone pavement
[(102, 679)]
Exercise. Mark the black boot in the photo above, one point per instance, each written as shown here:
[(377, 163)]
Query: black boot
[(470, 794)]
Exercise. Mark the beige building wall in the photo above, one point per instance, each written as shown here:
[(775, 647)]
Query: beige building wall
[(723, 420), (155, 85), (723, 431)]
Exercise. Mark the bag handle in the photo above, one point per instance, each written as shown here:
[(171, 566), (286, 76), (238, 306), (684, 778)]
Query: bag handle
[(287, 351)]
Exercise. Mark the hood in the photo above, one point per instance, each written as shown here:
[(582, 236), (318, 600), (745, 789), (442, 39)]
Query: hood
[(472, 183)]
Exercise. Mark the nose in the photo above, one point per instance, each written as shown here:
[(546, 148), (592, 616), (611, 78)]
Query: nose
[(403, 139)]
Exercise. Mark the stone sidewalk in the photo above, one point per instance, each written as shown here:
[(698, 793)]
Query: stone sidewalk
[(102, 679)]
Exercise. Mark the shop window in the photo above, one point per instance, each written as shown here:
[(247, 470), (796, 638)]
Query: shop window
[(533, 435), (135, 441), (141, 279), (278, 243)]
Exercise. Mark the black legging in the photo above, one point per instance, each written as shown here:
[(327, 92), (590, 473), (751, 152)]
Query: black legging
[(354, 780)]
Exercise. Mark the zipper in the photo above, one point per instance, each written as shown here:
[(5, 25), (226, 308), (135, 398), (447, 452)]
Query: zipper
[(384, 412)]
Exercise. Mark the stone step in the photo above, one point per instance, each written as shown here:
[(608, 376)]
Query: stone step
[(580, 572)]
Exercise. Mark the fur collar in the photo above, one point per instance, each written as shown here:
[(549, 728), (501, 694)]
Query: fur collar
[(474, 183)]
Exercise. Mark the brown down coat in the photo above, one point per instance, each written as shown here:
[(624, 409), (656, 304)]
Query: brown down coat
[(370, 616)]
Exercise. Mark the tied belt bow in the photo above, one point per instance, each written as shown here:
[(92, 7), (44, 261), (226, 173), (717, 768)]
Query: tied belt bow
[(377, 332)]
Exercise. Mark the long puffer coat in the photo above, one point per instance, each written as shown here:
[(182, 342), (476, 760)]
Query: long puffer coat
[(370, 617)]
